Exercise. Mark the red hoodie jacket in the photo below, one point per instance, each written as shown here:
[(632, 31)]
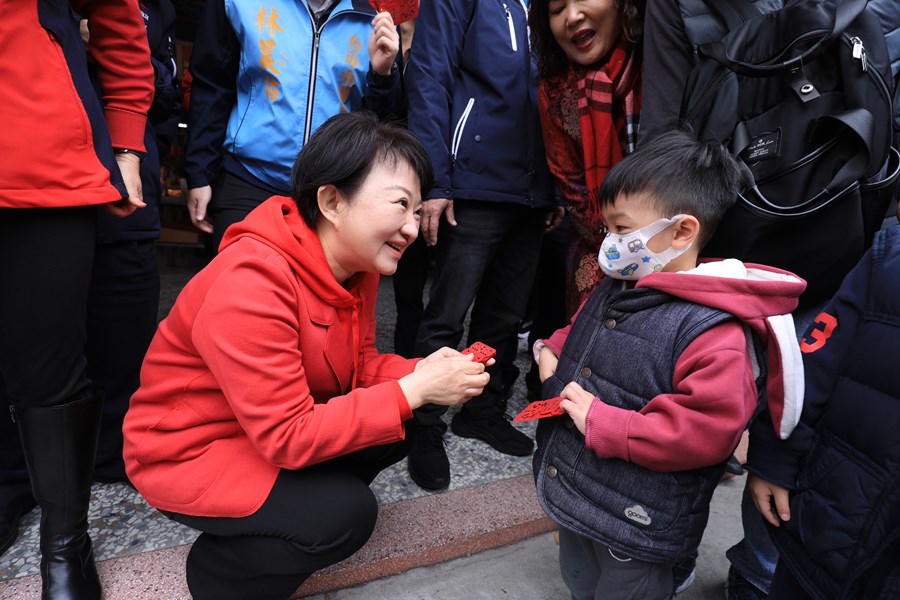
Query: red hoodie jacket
[(265, 362), (57, 137), (701, 423)]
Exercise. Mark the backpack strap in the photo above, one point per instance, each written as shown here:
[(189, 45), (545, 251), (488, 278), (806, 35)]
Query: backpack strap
[(845, 13)]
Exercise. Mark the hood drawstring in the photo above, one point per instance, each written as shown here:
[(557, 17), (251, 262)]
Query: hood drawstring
[(357, 351)]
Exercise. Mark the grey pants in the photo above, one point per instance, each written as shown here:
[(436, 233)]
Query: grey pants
[(592, 571)]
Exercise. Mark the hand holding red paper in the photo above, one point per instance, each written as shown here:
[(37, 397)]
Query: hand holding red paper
[(481, 351), (540, 410), (574, 400), (384, 44), (401, 10)]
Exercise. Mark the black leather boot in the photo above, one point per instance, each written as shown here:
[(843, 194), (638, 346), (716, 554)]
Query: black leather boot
[(60, 443)]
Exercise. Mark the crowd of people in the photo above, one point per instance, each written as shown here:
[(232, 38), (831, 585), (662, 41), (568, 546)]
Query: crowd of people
[(486, 147)]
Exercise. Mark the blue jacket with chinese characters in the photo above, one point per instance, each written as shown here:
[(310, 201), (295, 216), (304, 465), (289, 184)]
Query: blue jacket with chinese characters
[(266, 76), (473, 102)]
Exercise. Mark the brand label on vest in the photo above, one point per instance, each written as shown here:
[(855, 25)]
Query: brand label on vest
[(637, 514), (763, 147)]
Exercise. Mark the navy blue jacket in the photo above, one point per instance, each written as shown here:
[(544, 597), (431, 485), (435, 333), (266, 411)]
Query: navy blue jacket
[(842, 462), (473, 102), (143, 224)]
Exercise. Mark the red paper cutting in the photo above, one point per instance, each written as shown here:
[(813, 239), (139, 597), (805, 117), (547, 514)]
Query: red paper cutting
[(401, 10), (540, 410)]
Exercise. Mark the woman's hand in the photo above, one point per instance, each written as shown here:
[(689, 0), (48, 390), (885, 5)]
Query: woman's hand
[(130, 168), (576, 401), (547, 362), (765, 494), (444, 378), (384, 43)]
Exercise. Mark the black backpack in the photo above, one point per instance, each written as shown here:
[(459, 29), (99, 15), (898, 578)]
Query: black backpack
[(802, 97)]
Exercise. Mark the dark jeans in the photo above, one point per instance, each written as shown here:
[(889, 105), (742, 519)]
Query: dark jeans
[(313, 518), (785, 586), (409, 287), (489, 258), (45, 271), (122, 310), (592, 570), (233, 199)]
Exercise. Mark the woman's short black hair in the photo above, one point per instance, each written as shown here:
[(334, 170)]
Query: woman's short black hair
[(342, 153), (677, 174), (551, 60)]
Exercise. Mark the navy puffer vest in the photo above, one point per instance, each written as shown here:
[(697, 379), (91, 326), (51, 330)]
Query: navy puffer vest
[(623, 348)]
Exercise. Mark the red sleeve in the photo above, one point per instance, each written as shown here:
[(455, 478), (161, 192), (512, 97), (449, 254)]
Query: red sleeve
[(257, 362), (380, 368), (119, 47), (699, 424)]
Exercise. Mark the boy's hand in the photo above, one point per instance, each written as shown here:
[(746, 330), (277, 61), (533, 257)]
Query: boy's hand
[(547, 362), (765, 493), (577, 402)]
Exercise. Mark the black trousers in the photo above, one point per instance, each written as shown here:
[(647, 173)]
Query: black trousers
[(122, 310), (313, 518), (233, 199), (45, 270), (487, 262), (409, 289)]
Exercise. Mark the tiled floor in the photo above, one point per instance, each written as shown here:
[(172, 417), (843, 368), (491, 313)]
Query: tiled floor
[(122, 524)]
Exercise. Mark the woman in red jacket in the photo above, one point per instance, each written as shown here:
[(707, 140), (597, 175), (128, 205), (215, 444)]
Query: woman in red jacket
[(63, 152), (264, 410)]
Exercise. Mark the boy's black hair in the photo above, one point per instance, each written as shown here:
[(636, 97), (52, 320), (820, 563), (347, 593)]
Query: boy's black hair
[(343, 151), (678, 174)]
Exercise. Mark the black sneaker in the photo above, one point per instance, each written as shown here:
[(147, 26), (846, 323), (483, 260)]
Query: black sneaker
[(427, 462), (738, 588), (496, 430)]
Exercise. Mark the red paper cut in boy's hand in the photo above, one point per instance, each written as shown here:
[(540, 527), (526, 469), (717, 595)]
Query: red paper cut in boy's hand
[(540, 410), (401, 10)]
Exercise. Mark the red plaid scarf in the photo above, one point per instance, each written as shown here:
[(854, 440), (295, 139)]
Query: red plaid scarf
[(609, 104)]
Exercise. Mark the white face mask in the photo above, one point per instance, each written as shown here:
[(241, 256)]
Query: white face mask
[(626, 256)]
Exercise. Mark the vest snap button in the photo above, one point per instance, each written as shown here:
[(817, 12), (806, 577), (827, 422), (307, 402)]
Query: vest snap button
[(586, 372), (551, 471), (569, 423), (609, 323)]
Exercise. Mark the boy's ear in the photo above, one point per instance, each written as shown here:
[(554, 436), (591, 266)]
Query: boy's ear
[(687, 230), (330, 203)]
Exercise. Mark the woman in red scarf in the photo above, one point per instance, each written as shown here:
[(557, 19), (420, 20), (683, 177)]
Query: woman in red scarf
[(589, 95)]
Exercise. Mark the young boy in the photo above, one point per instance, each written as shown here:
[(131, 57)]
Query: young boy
[(656, 374)]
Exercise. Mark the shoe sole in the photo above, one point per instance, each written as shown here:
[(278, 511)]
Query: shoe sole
[(463, 432)]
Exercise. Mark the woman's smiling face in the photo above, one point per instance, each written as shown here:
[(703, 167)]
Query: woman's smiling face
[(380, 221), (586, 30)]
